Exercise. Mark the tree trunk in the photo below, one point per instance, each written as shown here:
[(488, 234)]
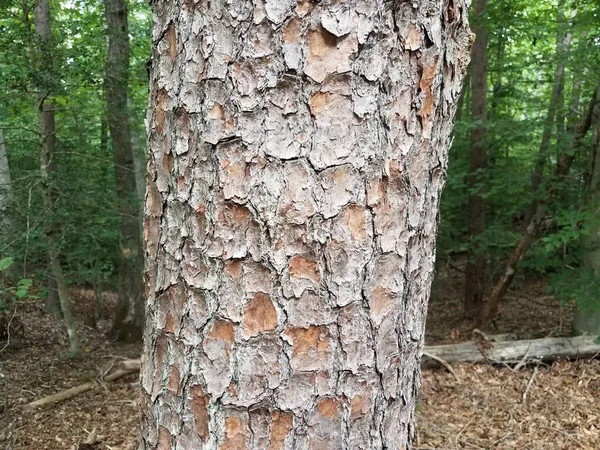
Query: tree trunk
[(563, 45), (297, 152), (475, 279), (138, 160), (48, 164), (587, 316), (129, 313), (5, 189)]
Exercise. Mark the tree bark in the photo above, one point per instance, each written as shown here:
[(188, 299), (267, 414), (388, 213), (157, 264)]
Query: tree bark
[(530, 235), (48, 164), (297, 151), (129, 312), (476, 269)]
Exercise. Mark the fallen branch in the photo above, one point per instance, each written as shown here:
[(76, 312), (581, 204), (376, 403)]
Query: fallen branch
[(547, 349), (535, 371), (123, 368), (443, 363)]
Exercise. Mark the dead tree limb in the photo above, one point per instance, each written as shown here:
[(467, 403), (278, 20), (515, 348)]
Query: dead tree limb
[(547, 349)]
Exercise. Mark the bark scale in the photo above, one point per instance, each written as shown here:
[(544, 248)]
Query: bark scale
[(476, 269), (129, 313), (297, 151), (45, 106)]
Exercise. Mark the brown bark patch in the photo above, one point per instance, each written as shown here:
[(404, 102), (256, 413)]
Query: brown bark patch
[(308, 269), (174, 307), (426, 86), (358, 407), (161, 99), (160, 353), (312, 339), (174, 382), (304, 7), (259, 315), (292, 32), (172, 42), (327, 54), (165, 440), (234, 268), (236, 434), (281, 425), (154, 200), (329, 407), (199, 406), (233, 214), (381, 300), (217, 112), (318, 102), (354, 218), (223, 331), (168, 162)]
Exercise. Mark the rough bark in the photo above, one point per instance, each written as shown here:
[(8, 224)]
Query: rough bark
[(476, 269), (129, 312), (587, 316), (531, 232), (48, 164), (297, 151)]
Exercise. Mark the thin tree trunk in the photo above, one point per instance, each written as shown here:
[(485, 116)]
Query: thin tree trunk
[(562, 169), (297, 152), (5, 188), (475, 279), (129, 313), (587, 316), (563, 45), (48, 164), (138, 157)]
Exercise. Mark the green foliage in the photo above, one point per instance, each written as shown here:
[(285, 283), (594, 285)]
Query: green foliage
[(9, 293), (84, 180)]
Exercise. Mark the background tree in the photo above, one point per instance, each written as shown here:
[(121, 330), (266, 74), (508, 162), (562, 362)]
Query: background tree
[(47, 126), (295, 169), (476, 269), (129, 314)]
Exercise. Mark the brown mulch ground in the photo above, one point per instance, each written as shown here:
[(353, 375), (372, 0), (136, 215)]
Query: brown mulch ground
[(485, 409)]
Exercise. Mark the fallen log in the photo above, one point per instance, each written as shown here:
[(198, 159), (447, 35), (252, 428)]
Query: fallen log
[(547, 349), (122, 369)]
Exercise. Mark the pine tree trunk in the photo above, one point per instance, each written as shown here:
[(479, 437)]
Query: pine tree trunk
[(129, 313), (48, 164), (475, 279), (297, 152)]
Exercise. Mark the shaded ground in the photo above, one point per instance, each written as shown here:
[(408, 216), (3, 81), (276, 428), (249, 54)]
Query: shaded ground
[(484, 409)]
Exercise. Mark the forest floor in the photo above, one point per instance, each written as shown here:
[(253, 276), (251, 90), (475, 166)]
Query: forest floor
[(544, 407)]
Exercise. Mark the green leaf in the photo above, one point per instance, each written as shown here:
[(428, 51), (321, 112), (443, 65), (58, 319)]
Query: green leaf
[(5, 263)]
